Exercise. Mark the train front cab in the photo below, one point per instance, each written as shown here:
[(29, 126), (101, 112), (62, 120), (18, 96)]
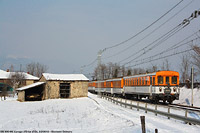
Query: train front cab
[(165, 86)]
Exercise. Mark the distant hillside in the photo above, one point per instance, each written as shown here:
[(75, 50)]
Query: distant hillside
[(6, 62)]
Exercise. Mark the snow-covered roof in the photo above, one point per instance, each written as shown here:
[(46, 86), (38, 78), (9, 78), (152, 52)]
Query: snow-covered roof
[(7, 75), (30, 86), (65, 77)]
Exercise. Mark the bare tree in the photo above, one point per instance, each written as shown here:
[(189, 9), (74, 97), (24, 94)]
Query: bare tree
[(196, 57), (129, 72), (36, 69), (17, 79), (110, 70), (11, 68), (165, 65), (103, 71), (184, 68)]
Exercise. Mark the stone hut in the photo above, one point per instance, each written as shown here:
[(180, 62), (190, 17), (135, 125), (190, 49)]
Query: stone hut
[(51, 86)]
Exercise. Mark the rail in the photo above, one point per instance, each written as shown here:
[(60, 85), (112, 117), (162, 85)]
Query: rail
[(167, 114)]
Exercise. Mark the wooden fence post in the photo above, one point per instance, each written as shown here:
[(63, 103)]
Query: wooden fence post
[(169, 112), (131, 104), (145, 107), (186, 112), (156, 110), (142, 118), (137, 106)]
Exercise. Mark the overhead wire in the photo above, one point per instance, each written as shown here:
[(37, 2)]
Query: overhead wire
[(163, 37), (163, 57), (136, 34), (171, 48), (118, 44), (144, 49), (149, 33)]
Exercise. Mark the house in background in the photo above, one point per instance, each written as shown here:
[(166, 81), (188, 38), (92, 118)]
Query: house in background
[(51, 86), (12, 80), (6, 77)]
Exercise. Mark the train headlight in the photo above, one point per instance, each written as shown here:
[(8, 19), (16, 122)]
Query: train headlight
[(160, 89), (174, 89)]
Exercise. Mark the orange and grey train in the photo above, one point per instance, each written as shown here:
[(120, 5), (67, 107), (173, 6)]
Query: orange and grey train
[(161, 85)]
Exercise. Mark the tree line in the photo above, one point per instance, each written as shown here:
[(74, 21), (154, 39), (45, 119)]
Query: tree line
[(114, 70)]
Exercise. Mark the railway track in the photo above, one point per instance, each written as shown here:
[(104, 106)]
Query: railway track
[(178, 106), (186, 107), (186, 113)]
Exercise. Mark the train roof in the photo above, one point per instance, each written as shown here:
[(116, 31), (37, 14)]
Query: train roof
[(117, 79), (141, 75), (153, 74)]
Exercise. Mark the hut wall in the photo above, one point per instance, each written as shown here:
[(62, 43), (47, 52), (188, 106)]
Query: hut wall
[(28, 82), (21, 96), (79, 89), (51, 90)]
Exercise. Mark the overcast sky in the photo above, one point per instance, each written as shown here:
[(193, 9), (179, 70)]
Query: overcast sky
[(67, 34)]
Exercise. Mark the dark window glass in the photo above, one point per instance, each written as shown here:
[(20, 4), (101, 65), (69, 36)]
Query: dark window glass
[(160, 80), (167, 80), (151, 80), (174, 80)]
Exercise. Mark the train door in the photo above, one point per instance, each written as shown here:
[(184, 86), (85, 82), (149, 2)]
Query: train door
[(152, 83)]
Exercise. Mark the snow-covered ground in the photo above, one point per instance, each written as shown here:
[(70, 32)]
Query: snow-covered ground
[(89, 114), (186, 97)]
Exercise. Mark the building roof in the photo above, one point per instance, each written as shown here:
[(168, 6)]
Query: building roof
[(7, 75), (65, 77), (30, 86)]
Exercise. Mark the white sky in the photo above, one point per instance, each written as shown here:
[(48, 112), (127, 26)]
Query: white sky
[(67, 34)]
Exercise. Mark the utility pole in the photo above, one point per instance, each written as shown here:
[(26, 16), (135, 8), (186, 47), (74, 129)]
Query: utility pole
[(99, 77), (192, 72)]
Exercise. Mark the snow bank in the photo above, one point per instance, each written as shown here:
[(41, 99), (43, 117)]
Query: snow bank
[(89, 114), (186, 96)]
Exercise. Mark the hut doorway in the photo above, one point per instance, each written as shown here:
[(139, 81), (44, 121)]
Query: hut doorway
[(64, 90)]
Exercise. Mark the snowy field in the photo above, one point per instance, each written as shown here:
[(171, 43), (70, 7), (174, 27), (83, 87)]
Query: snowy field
[(186, 96), (89, 114)]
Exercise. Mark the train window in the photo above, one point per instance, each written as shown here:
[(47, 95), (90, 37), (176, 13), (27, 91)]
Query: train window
[(174, 80), (146, 80), (153, 80), (142, 81), (167, 80), (160, 80), (134, 81), (150, 80)]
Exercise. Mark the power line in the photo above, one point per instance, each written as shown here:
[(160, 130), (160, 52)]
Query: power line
[(144, 49), (164, 38), (162, 57), (171, 48), (149, 33), (116, 45), (135, 34)]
